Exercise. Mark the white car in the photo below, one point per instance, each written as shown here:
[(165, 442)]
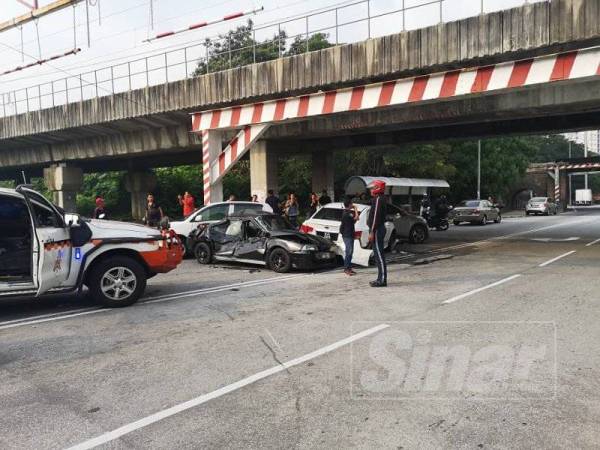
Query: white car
[(399, 224), (541, 205), (43, 250), (213, 213)]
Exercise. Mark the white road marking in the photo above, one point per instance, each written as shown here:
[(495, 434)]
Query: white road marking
[(43, 316), (556, 240), (476, 291), (158, 416), (593, 243), (52, 319), (162, 298), (177, 295), (557, 258)]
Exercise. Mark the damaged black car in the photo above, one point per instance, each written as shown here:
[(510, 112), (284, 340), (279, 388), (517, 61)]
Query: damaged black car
[(265, 239)]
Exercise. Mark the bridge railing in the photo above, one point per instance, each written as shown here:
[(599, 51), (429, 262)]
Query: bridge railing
[(360, 19)]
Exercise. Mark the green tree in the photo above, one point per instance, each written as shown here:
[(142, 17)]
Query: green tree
[(238, 48), (317, 41)]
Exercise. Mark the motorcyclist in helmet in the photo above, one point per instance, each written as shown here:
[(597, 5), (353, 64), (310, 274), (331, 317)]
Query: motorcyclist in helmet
[(376, 223)]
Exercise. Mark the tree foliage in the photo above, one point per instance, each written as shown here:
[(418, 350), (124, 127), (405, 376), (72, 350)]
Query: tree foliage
[(239, 47)]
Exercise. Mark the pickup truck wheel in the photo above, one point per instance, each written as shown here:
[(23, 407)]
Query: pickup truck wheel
[(117, 281), (203, 253)]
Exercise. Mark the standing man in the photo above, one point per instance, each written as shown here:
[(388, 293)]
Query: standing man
[(273, 201), (349, 218), (100, 210), (376, 224), (187, 202), (325, 198), (154, 213)]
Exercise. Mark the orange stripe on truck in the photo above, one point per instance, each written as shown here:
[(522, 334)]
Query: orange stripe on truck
[(164, 259)]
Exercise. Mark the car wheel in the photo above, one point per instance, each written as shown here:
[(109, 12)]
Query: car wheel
[(547, 212), (203, 253), (484, 220), (117, 281), (527, 213), (279, 260), (456, 222), (498, 219), (417, 234)]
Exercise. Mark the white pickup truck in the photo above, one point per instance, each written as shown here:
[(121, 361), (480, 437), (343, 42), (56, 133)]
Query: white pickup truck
[(43, 251)]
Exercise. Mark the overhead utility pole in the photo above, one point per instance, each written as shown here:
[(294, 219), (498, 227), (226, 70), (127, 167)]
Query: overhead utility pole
[(36, 12)]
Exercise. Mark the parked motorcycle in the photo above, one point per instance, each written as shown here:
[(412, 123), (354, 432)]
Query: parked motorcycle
[(440, 221)]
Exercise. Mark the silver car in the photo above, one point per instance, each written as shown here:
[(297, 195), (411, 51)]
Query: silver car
[(541, 205), (476, 211)]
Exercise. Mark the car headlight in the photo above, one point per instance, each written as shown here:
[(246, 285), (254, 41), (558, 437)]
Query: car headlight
[(309, 248)]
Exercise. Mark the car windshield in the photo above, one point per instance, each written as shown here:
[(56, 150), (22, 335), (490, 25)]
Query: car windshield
[(274, 223), (538, 199), (329, 214), (469, 203)]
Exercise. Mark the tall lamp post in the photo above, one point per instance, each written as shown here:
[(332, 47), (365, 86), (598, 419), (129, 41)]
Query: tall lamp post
[(570, 177), (479, 169)]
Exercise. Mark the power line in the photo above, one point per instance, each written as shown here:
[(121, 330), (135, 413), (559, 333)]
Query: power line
[(78, 76), (158, 52)]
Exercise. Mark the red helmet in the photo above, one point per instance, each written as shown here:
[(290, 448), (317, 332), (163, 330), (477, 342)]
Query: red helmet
[(377, 187)]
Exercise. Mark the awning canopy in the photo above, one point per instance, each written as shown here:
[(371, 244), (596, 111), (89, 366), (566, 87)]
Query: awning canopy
[(394, 186)]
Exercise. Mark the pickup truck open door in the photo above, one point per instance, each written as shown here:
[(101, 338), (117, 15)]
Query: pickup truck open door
[(53, 243)]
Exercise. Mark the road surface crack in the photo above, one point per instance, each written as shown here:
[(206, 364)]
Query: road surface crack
[(273, 354)]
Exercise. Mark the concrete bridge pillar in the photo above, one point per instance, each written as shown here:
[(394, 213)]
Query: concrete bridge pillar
[(64, 182), (212, 146), (263, 170), (565, 195), (139, 184), (323, 173)]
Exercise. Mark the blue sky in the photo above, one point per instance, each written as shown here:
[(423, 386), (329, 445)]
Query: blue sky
[(125, 24)]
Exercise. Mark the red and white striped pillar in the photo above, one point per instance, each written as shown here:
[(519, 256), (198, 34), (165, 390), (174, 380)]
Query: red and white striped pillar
[(211, 149), (557, 184)]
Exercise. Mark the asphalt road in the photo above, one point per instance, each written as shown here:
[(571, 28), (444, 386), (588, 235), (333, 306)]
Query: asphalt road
[(485, 337)]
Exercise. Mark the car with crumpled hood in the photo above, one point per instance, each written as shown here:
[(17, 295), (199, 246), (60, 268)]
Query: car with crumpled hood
[(262, 239)]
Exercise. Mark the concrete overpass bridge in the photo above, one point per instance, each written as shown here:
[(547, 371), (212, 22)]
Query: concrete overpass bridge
[(528, 69), (551, 179)]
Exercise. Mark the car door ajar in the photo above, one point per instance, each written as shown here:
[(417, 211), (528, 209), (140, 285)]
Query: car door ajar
[(226, 237), (252, 245), (54, 241)]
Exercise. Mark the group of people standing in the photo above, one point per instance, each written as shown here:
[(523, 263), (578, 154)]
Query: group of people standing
[(290, 207), (154, 215), (376, 223)]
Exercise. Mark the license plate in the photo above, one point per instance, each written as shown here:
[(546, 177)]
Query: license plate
[(324, 255), (328, 235)]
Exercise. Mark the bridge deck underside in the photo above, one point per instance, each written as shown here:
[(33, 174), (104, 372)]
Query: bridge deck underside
[(162, 141)]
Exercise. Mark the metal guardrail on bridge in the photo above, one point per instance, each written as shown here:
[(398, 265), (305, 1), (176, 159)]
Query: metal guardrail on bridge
[(196, 59)]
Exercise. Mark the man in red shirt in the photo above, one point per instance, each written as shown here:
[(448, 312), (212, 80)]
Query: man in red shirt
[(188, 203)]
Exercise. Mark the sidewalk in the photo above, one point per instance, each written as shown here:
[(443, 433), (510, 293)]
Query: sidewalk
[(512, 214)]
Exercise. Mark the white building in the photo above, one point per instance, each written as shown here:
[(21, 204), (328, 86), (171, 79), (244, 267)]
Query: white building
[(590, 139)]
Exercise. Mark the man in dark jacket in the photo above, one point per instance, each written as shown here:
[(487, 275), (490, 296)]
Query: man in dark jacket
[(376, 224), (347, 229), (273, 201)]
